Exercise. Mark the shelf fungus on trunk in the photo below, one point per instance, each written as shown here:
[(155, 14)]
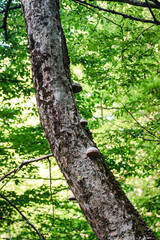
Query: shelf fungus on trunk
[(76, 87), (93, 152), (72, 197), (83, 122)]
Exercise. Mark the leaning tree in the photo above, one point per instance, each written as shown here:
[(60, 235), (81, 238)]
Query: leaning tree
[(103, 202), (100, 197)]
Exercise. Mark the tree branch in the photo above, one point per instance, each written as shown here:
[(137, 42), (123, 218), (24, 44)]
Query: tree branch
[(145, 139), (134, 3), (11, 8), (117, 13), (134, 136), (8, 180), (149, 7), (6, 10), (5, 19), (12, 204), (25, 163), (156, 2)]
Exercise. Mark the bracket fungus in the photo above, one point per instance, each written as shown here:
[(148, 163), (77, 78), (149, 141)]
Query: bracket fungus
[(93, 152), (72, 197), (76, 87), (83, 122)]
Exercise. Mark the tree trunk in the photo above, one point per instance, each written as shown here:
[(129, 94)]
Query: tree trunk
[(100, 197)]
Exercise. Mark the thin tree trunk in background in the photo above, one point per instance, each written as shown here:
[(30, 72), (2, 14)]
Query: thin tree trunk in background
[(100, 197)]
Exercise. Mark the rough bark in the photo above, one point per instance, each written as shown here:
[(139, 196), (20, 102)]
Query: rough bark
[(104, 204)]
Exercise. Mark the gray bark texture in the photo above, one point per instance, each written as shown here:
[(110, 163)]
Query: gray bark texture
[(104, 204)]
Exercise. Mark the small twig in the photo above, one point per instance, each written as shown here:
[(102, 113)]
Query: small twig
[(110, 108), (39, 178), (145, 139), (12, 204), (50, 186), (7, 224), (132, 42), (111, 21), (51, 193), (139, 123), (23, 164), (95, 26), (8, 180), (98, 13), (143, 32)]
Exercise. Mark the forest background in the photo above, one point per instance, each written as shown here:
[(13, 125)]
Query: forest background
[(116, 61)]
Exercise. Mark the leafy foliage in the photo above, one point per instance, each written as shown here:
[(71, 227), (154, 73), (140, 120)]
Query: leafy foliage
[(117, 63)]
